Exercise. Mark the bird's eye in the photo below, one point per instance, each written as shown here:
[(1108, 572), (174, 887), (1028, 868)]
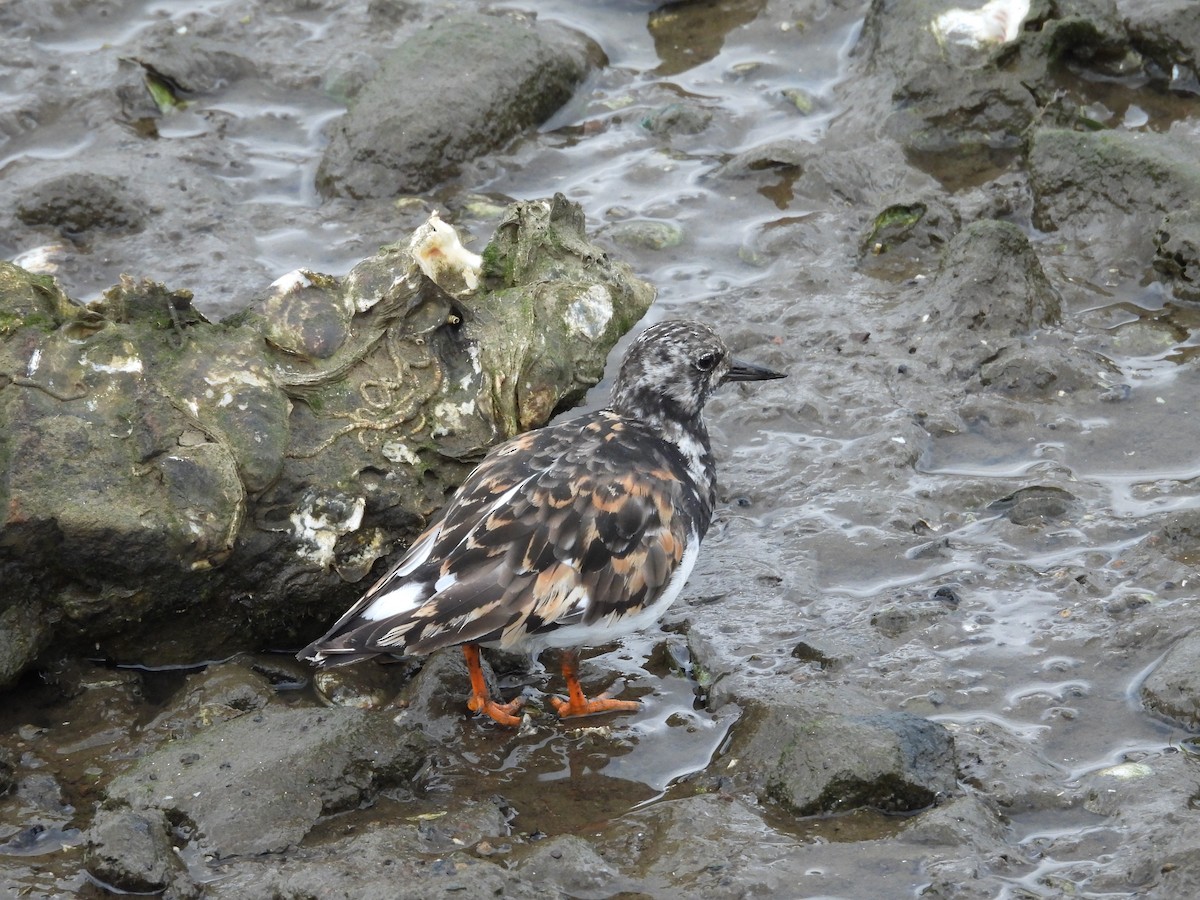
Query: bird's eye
[(706, 362)]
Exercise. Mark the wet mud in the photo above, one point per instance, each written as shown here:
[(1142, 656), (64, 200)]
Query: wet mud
[(939, 641)]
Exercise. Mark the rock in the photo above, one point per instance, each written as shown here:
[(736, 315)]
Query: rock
[(1167, 34), (191, 64), (81, 203), (428, 111), (258, 783), (27, 631), (958, 107), (1173, 688), (717, 845), (130, 852), (217, 694), (641, 234), (569, 866), (1045, 367), (991, 285), (1177, 252), (279, 454), (1111, 185), (1148, 798), (584, 298), (1037, 505), (811, 760), (1008, 768), (967, 821), (436, 698), (8, 779), (371, 686), (389, 861), (684, 117), (778, 156)]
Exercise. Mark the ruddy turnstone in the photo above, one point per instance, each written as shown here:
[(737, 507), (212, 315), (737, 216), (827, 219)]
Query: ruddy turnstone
[(571, 535)]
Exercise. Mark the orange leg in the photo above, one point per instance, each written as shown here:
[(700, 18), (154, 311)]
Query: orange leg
[(480, 700), (578, 705)]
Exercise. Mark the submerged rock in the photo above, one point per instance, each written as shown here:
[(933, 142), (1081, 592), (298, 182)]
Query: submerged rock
[(219, 486), (77, 204), (130, 852), (1173, 688), (258, 783), (1167, 34), (404, 860)]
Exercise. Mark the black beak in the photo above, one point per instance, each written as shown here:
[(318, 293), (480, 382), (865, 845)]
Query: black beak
[(744, 371)]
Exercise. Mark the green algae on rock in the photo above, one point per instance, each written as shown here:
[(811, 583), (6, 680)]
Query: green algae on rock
[(174, 488)]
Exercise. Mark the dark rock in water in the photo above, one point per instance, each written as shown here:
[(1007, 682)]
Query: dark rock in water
[(190, 64), (258, 783), (1173, 688), (216, 694), (1037, 505), (684, 117), (461, 88), (7, 772), (27, 631), (433, 700), (812, 760), (969, 820), (1043, 368), (1167, 34), (130, 852), (1177, 252), (75, 205)]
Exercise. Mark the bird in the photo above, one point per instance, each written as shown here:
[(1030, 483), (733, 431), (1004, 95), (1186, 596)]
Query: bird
[(567, 536)]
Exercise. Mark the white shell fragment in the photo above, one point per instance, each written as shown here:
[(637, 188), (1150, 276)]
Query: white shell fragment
[(293, 281), (997, 22), (45, 260), (1127, 770), (439, 253), (320, 521)]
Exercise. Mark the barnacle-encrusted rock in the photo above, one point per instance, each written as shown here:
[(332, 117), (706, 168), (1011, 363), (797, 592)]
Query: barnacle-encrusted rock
[(172, 488)]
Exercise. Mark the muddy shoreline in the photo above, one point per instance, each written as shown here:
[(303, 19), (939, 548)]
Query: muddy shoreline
[(940, 640)]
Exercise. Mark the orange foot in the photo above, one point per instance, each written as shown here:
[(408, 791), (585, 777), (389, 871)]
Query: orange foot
[(480, 700), (576, 703), (500, 712), (585, 707)]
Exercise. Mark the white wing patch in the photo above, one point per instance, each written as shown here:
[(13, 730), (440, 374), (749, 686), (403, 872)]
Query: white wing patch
[(397, 601)]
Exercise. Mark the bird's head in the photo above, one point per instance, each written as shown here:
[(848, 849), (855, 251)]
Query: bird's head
[(672, 369)]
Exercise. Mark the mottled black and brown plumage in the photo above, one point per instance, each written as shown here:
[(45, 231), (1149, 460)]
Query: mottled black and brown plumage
[(568, 536)]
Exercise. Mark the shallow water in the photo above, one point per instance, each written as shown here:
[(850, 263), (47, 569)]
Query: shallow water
[(1043, 644)]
